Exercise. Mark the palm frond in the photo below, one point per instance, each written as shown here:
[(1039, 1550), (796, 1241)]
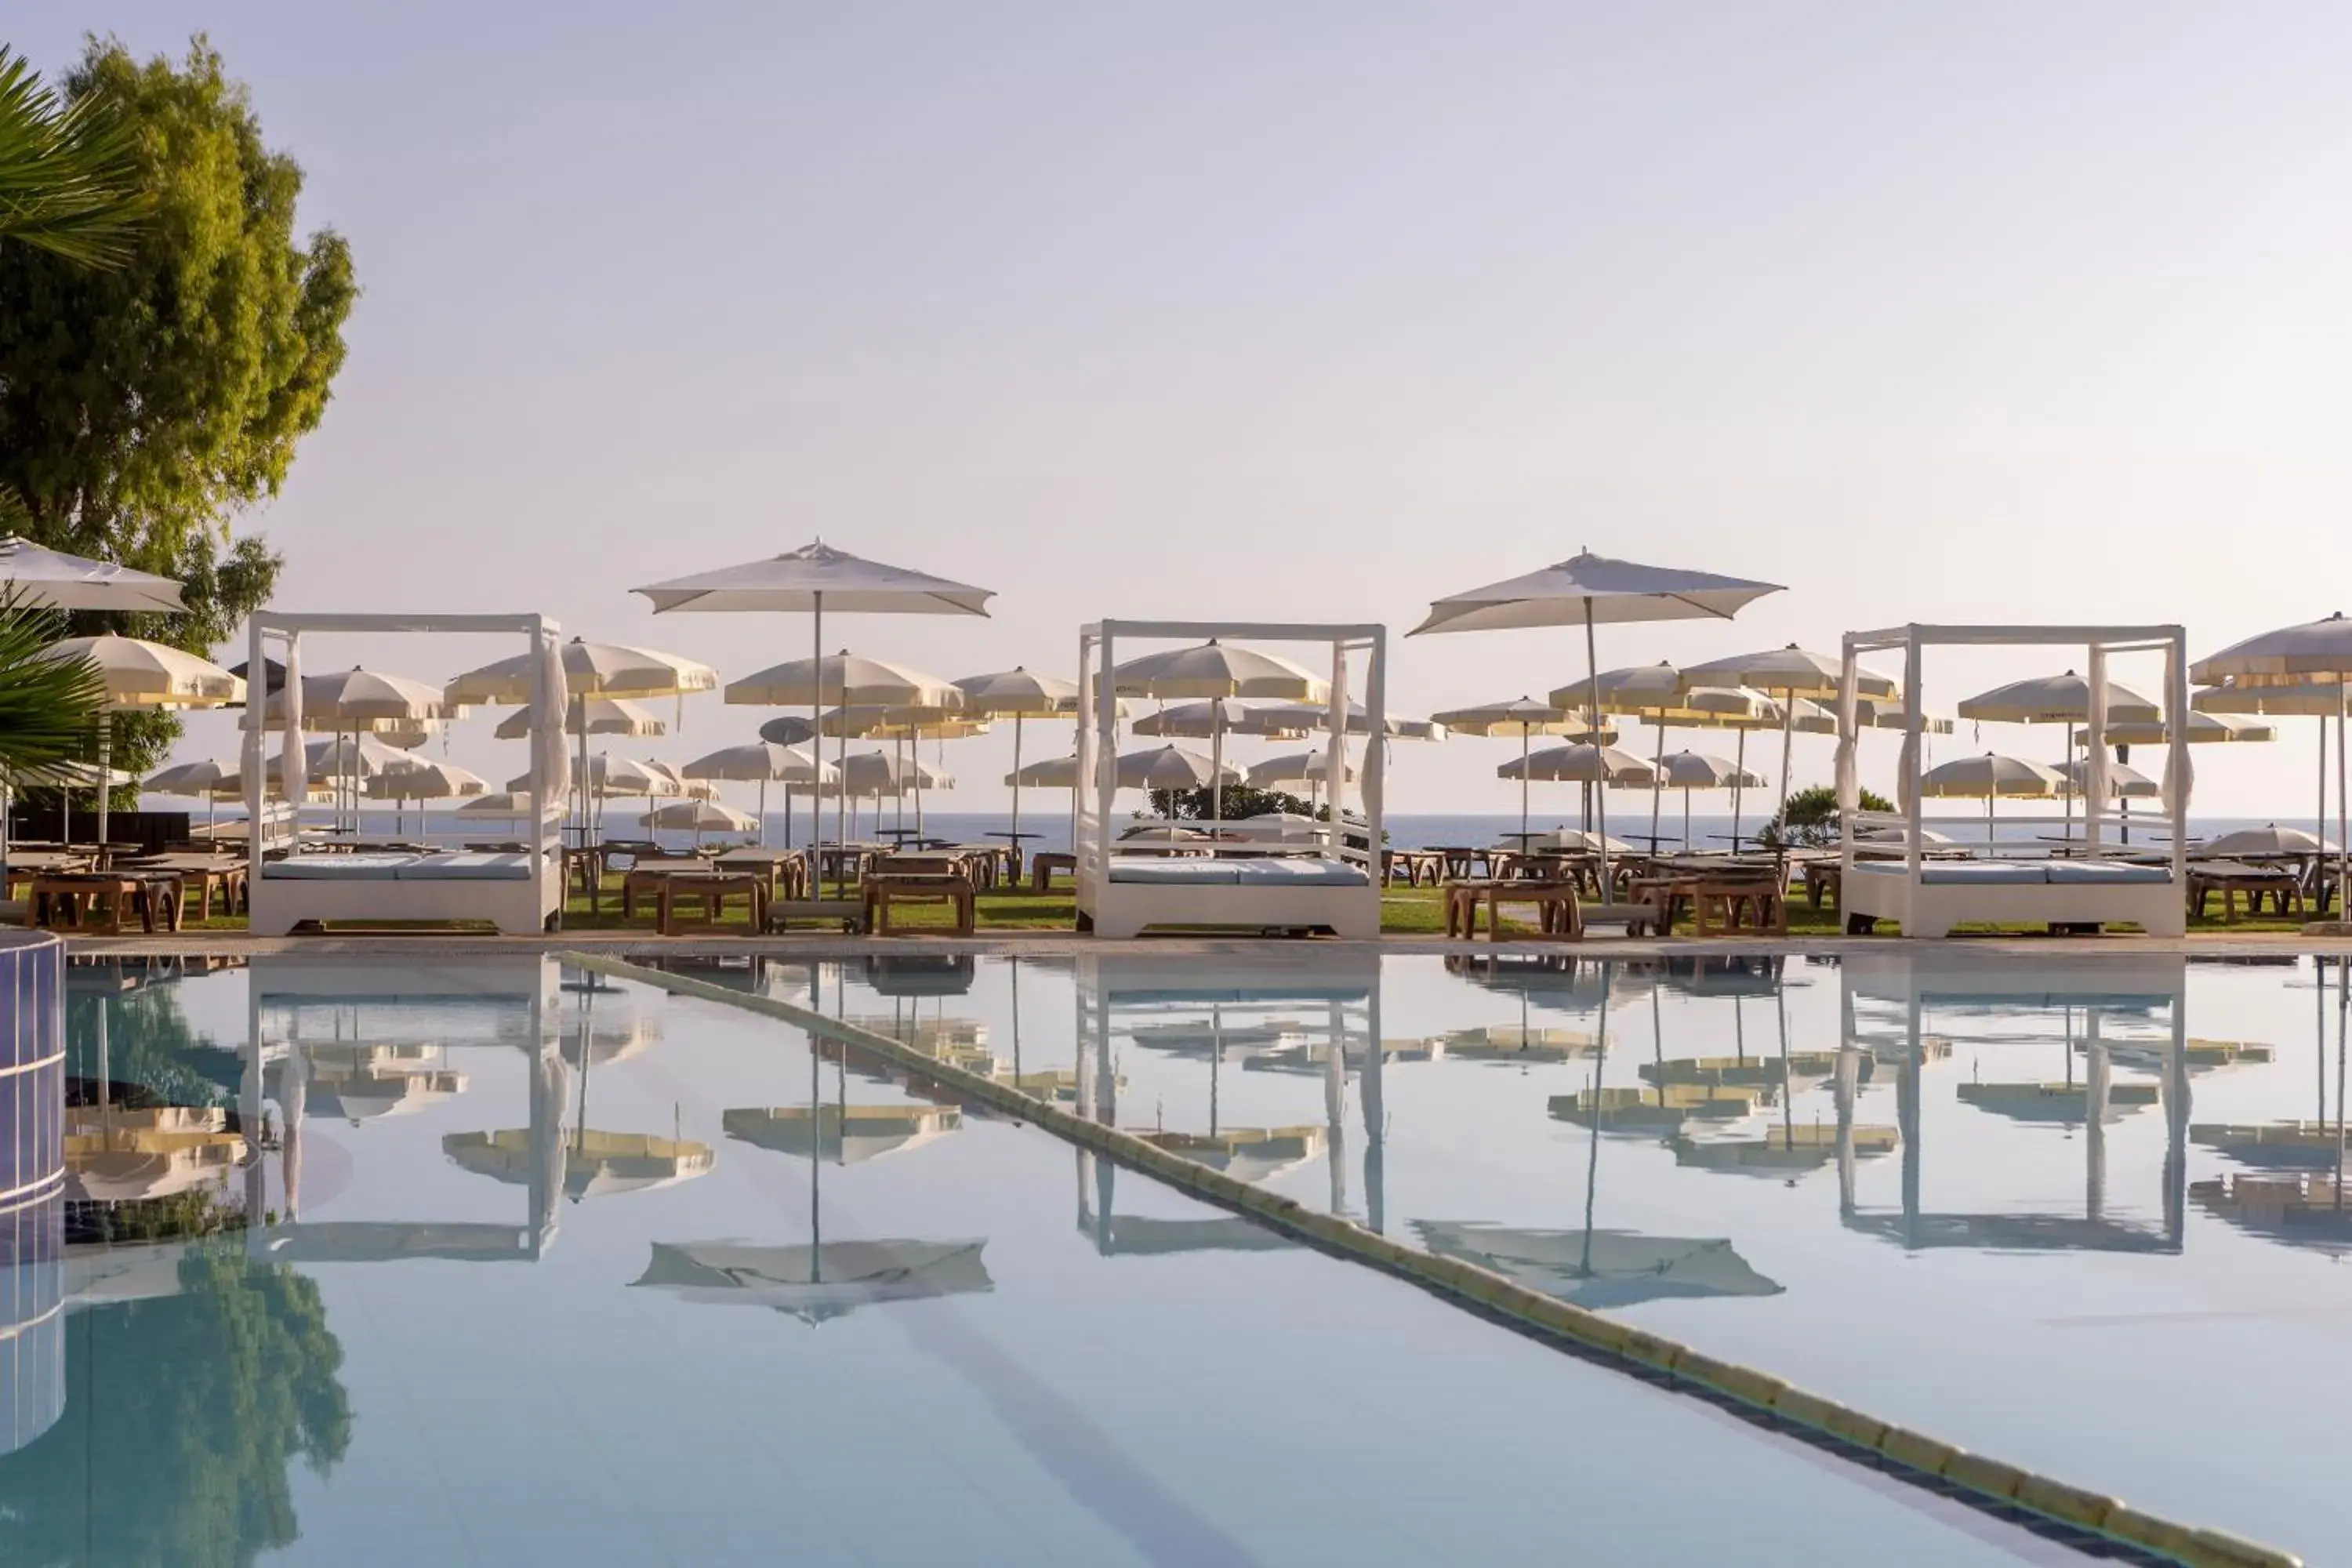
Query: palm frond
[(68, 179), (49, 708)]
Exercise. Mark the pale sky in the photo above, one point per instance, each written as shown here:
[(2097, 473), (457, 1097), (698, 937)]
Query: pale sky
[(1998, 313)]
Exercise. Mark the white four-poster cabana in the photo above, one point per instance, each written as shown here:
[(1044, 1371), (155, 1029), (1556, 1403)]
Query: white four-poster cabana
[(2097, 886), (1333, 886), (520, 893)]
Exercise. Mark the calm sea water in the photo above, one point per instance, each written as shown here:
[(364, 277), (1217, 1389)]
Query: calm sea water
[(1628, 821)]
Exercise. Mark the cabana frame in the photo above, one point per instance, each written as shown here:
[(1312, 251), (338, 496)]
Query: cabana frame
[(522, 905), (1344, 900), (2095, 889)]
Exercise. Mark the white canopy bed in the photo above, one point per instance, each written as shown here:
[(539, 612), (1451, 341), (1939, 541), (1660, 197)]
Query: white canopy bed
[(2102, 882), (1322, 884), (520, 893)]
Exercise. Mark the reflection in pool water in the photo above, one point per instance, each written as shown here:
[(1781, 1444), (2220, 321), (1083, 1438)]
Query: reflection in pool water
[(2021, 1204)]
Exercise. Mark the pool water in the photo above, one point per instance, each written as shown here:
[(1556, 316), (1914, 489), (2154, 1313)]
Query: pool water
[(498, 1261)]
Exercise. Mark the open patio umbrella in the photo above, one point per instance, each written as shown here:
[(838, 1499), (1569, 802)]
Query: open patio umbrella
[(2316, 652), (591, 669), (1688, 770), (589, 716), (906, 728), (146, 678), (700, 816), (595, 1163), (2321, 700), (1988, 778), (2268, 841), (1019, 694), (422, 781), (1788, 673), (511, 804), (1585, 591), (1581, 764), (1215, 670), (1523, 717), (211, 781), (1659, 694), (2124, 783), (762, 763), (813, 579), (1309, 768), (816, 1283), (2058, 700), (1173, 767), (44, 579)]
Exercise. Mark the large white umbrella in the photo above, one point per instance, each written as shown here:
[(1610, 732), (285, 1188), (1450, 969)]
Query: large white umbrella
[(1991, 777), (590, 669), (1213, 670), (1173, 767), (589, 716), (701, 816), (1308, 768), (1688, 770), (143, 677), (2058, 700), (2316, 652), (907, 726), (205, 779), (813, 579), (1053, 772), (1581, 762), (1523, 717), (2270, 839), (358, 701), (424, 780), (1019, 694), (512, 805), (762, 763), (2124, 783), (1585, 591), (815, 1283), (1203, 720), (44, 579), (1788, 673), (1660, 694), (2320, 699)]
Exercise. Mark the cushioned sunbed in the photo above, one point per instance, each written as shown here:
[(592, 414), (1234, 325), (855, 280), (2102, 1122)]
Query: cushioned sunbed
[(450, 867), (2022, 873), (1195, 872)]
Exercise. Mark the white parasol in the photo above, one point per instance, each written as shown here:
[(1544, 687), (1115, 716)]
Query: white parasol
[(1588, 589)]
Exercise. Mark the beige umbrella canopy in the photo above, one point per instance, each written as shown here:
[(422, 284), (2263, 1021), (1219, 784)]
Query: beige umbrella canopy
[(1296, 718), (2124, 783), (1788, 673), (423, 780), (1202, 721), (1053, 772), (2314, 650), (816, 1283), (1173, 767), (1688, 770), (1309, 768), (46, 578), (846, 678), (595, 1163), (2060, 699), (2284, 696), (1019, 694), (1988, 778), (845, 1134), (589, 716), (761, 762), (358, 699), (700, 817), (590, 669), (2270, 839), (1523, 717), (143, 677), (1582, 763), (1215, 670)]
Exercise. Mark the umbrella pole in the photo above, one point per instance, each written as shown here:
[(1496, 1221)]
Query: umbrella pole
[(1217, 762), (1788, 745), (763, 812), (1014, 838), (1739, 777), (1657, 780), (1600, 783), (2066, 800), (1523, 786), (1686, 820)]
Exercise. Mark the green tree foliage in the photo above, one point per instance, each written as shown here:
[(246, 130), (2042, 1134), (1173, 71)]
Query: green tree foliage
[(143, 407), (68, 185), (182, 1415), (49, 707), (1811, 817), (1241, 800)]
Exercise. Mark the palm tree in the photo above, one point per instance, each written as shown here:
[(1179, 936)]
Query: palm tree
[(49, 707), (68, 179)]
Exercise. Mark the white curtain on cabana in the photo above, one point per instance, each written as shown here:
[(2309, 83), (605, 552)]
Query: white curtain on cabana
[(550, 755), (2179, 774), (293, 759)]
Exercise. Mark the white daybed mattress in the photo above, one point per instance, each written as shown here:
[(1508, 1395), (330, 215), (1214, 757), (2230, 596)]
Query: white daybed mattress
[(1135, 892), (2015, 892), (497, 888)]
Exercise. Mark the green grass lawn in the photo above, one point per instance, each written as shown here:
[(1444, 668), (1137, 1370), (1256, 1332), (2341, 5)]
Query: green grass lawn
[(1404, 911)]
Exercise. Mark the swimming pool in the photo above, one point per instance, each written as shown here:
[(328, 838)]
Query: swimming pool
[(553, 1266)]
